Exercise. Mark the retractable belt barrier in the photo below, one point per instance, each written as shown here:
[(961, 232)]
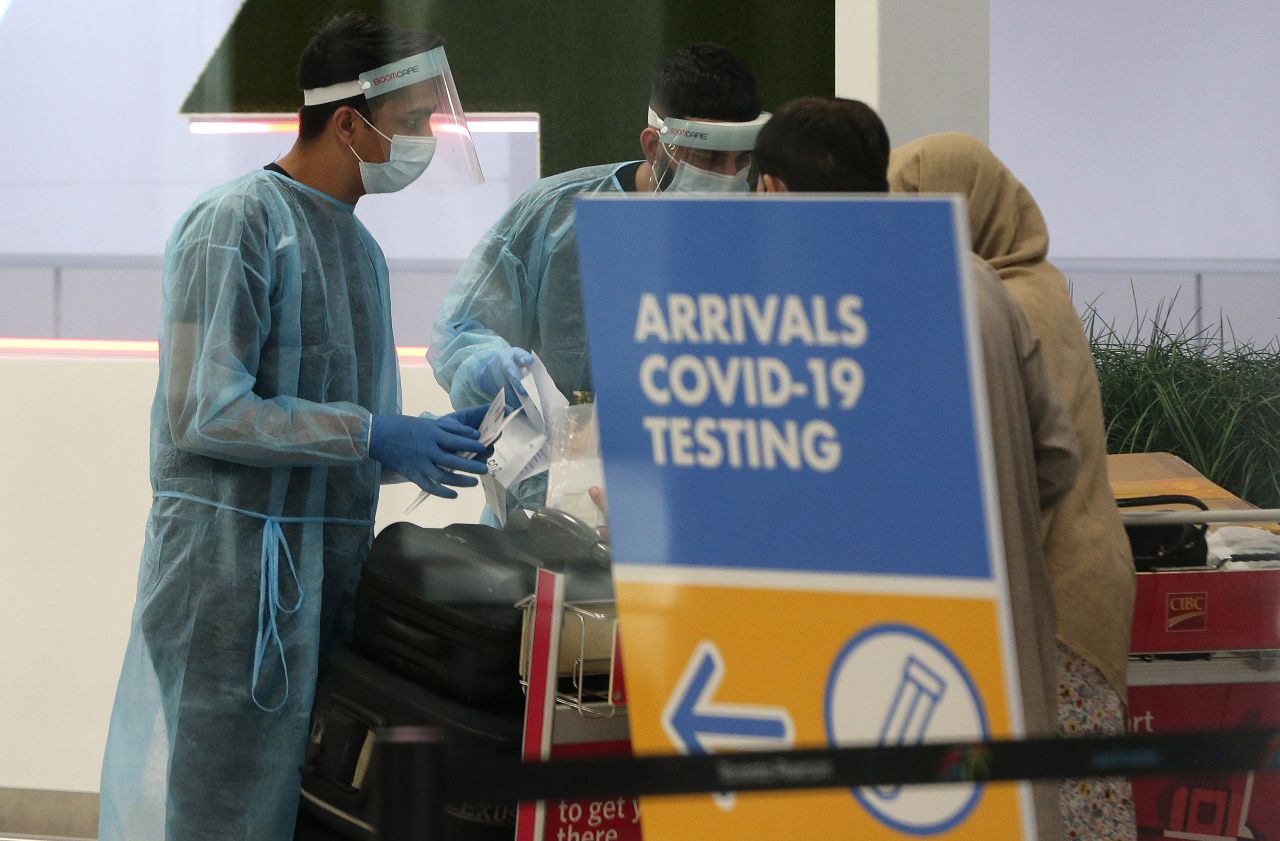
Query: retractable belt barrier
[(428, 775)]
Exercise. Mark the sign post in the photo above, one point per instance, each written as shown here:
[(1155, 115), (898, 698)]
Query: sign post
[(801, 499)]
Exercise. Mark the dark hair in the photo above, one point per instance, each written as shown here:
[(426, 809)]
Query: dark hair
[(344, 47), (704, 80), (825, 144)]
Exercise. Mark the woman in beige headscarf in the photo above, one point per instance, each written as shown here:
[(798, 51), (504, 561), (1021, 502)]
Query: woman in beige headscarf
[(1087, 553)]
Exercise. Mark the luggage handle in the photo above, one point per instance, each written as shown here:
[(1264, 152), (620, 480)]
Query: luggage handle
[(1202, 517), (1181, 518), (1186, 518), (563, 537), (353, 722)]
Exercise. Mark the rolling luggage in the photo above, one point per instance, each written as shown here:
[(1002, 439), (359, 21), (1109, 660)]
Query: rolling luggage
[(437, 606), (437, 643), (355, 697)]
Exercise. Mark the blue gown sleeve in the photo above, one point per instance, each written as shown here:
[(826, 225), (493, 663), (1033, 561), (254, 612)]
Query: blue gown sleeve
[(491, 306), (217, 318)]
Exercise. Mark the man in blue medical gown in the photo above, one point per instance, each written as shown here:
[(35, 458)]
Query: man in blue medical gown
[(276, 416), (519, 291)]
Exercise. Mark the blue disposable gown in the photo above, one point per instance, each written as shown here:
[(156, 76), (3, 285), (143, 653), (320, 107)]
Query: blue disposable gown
[(521, 287), (275, 350)]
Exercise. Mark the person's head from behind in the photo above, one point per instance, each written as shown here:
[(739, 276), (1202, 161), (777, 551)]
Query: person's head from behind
[(342, 49), (702, 102), (823, 145)]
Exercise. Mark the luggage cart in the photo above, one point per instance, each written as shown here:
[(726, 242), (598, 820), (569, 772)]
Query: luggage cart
[(1205, 654), (588, 661), (571, 671)]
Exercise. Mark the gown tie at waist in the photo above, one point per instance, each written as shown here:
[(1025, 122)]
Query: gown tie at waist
[(269, 602)]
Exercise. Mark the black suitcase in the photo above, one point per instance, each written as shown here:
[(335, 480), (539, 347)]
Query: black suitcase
[(437, 606), (355, 697)]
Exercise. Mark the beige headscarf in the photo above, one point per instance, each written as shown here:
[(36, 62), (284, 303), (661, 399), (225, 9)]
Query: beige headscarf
[(1090, 566)]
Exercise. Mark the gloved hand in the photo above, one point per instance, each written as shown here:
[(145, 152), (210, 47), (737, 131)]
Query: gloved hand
[(428, 451), (504, 369)]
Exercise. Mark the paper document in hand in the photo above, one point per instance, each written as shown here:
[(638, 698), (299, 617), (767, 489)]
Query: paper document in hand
[(542, 402), (520, 443), (544, 407), (502, 426), (495, 497), (538, 464), (530, 400), (490, 428)]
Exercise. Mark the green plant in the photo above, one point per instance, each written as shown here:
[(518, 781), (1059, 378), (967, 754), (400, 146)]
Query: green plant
[(1206, 397)]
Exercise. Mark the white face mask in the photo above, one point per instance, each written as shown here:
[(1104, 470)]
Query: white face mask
[(691, 179), (410, 156)]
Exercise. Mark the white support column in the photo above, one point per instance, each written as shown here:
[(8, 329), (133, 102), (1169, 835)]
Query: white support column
[(924, 65)]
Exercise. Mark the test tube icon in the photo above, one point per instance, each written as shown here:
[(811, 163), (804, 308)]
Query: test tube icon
[(915, 700)]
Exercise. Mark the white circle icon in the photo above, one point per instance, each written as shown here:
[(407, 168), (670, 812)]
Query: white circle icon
[(896, 686)]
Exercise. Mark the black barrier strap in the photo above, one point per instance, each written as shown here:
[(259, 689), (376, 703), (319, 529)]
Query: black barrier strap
[(1007, 760)]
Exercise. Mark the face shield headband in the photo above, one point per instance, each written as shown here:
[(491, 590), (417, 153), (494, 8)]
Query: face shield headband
[(454, 164), (384, 79), (704, 140), (701, 134)]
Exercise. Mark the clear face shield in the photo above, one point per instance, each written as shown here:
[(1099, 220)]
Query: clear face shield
[(699, 156), (416, 109)]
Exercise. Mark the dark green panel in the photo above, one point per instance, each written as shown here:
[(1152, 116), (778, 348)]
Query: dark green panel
[(584, 65)]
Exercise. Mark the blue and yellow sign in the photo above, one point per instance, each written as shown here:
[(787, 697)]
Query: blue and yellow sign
[(801, 500)]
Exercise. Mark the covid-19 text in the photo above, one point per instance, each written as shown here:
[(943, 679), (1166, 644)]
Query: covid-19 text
[(764, 375)]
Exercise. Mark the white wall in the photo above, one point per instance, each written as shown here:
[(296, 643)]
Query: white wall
[(104, 164), (74, 494), (921, 64), (934, 71), (119, 298), (1145, 128)]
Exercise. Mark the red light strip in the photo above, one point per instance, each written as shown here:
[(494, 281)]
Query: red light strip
[(111, 347), (62, 347)]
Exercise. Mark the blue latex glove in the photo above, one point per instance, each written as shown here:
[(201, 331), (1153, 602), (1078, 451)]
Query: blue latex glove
[(430, 451), (504, 369)]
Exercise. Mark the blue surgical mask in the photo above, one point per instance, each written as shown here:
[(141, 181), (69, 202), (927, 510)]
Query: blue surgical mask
[(410, 156), (692, 179)]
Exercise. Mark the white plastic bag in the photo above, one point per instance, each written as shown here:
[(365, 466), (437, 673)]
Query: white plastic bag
[(575, 464)]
